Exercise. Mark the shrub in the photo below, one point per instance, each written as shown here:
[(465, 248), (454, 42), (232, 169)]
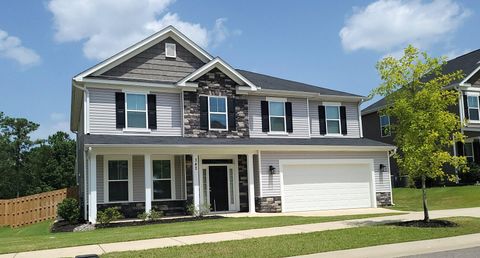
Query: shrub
[(69, 210), (108, 215), (472, 176), (152, 215), (143, 216), (202, 211)]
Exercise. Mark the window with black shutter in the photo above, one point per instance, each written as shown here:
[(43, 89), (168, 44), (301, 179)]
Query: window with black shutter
[(343, 119), (120, 110), (265, 118), (288, 116), (152, 111), (321, 120), (203, 112), (232, 121)]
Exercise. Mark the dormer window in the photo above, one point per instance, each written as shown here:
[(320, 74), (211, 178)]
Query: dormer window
[(170, 50)]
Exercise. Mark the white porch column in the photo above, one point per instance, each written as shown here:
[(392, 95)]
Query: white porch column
[(92, 185), (251, 186), (148, 182), (196, 181)]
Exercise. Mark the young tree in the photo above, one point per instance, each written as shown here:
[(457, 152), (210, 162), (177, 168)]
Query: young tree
[(414, 88)]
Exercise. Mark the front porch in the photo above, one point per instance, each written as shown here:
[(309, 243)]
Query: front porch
[(168, 180)]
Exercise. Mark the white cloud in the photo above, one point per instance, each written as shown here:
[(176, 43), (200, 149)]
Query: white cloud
[(387, 25), (57, 122), (11, 47), (109, 26)]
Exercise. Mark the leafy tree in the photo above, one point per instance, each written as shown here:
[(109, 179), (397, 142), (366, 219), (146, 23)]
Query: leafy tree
[(414, 88)]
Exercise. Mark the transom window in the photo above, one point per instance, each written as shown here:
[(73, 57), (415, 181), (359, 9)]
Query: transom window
[(117, 180), (277, 116), (136, 110), (385, 126), (217, 108), (333, 119), (468, 151), (162, 179), (473, 112)]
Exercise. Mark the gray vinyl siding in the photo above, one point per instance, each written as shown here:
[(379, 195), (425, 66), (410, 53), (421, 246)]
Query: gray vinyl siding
[(138, 177), (152, 64), (299, 118), (271, 183), (100, 192), (179, 174), (103, 120), (353, 123)]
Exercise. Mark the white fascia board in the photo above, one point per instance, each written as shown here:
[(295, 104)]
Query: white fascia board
[(142, 45), (222, 66), (464, 82)]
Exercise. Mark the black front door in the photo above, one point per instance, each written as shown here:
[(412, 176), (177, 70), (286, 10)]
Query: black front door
[(218, 188)]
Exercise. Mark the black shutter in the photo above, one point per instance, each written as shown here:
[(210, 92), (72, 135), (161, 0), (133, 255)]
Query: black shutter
[(476, 151), (459, 149), (321, 120), (232, 121), (288, 113), (465, 106), (265, 122), (120, 109), (204, 112), (152, 111), (343, 119)]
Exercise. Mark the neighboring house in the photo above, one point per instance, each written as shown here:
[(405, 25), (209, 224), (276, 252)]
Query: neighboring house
[(376, 126), (163, 124)]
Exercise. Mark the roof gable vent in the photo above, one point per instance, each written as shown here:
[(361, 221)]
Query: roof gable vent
[(170, 50)]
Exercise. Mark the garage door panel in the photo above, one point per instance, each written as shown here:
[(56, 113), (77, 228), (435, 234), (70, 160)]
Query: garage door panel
[(322, 186)]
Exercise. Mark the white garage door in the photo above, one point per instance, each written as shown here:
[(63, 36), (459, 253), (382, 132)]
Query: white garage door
[(308, 187)]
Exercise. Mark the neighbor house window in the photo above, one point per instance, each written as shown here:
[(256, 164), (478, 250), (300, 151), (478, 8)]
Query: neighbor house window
[(217, 109), (473, 112), (162, 179), (136, 110), (117, 180), (170, 50), (385, 126), (277, 116), (333, 119), (468, 151)]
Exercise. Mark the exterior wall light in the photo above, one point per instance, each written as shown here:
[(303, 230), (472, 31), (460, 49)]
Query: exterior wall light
[(383, 168), (271, 169)]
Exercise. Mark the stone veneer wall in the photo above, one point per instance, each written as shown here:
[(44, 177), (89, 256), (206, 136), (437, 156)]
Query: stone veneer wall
[(189, 178), (268, 204), (214, 83), (384, 199), (132, 209), (243, 182)]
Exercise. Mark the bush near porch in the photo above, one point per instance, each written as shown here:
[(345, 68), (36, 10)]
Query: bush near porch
[(439, 198)]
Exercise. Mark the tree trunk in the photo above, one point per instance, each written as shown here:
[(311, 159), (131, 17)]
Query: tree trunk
[(426, 217)]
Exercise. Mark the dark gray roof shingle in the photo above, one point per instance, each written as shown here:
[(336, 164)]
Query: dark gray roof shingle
[(173, 140)]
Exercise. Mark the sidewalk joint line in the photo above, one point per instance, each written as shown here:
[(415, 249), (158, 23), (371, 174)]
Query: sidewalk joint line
[(103, 250)]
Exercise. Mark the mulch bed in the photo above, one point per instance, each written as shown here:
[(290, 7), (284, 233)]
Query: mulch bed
[(160, 221), (434, 223)]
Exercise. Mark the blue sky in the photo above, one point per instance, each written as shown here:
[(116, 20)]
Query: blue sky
[(334, 44)]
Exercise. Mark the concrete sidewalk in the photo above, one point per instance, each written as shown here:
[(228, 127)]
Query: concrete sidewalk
[(234, 235), (405, 249)]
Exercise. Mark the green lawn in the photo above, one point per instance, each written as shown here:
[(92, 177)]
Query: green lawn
[(37, 236), (302, 244), (438, 198)]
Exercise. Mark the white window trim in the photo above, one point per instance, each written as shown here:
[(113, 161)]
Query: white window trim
[(477, 108), (333, 119), (172, 176), (381, 127), (218, 113), (136, 129), (278, 100), (473, 151), (106, 181), (174, 50)]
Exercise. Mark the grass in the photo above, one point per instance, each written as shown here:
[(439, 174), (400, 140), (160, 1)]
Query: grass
[(38, 237), (302, 244), (438, 198)]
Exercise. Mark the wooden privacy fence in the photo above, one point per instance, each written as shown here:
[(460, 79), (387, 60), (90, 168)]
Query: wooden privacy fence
[(33, 208)]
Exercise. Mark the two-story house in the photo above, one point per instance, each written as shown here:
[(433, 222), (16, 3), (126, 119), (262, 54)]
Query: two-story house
[(164, 124), (377, 126)]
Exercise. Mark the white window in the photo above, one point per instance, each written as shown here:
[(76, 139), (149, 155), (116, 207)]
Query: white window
[(473, 112), (136, 110), (217, 112), (468, 151), (385, 126), (277, 116), (162, 179), (117, 180), (332, 115), (170, 50)]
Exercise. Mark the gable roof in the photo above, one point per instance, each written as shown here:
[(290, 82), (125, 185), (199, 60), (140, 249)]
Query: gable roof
[(468, 63), (222, 66), (275, 83), (131, 51)]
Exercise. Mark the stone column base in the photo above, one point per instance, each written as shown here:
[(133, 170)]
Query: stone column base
[(271, 204), (384, 199)]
